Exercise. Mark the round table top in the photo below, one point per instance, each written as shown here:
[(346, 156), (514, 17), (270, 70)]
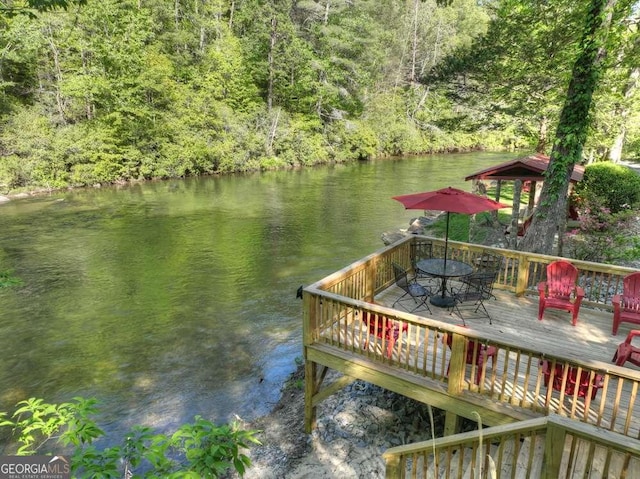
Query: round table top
[(435, 267)]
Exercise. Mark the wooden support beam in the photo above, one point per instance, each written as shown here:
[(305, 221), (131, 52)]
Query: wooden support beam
[(310, 369)]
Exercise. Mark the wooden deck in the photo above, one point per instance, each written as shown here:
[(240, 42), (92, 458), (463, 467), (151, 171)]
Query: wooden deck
[(514, 322), (509, 388)]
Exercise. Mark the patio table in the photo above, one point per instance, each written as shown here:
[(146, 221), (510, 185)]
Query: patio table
[(436, 267)]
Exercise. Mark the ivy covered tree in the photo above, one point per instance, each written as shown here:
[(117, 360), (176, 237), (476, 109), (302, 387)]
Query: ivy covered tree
[(603, 17)]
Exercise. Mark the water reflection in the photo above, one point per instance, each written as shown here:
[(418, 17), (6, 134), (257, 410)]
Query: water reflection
[(169, 299)]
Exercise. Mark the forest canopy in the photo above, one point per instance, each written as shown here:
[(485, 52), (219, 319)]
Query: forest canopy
[(117, 90)]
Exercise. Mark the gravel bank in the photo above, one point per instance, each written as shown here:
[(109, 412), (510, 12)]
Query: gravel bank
[(355, 426)]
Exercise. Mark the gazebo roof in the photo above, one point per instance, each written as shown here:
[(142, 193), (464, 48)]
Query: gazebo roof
[(528, 168)]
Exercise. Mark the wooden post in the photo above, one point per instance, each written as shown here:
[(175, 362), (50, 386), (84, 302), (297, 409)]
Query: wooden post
[(515, 215), (393, 470), (309, 322), (494, 213), (532, 195), (310, 369), (523, 275), (457, 369), (553, 451), (371, 280)]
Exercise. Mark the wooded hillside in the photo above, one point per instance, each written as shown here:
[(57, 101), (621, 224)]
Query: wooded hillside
[(115, 90)]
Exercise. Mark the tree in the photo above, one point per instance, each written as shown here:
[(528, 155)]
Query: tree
[(29, 7), (619, 96), (514, 76), (572, 128)]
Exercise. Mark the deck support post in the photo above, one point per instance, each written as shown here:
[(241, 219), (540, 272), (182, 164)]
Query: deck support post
[(310, 369), (309, 323), (392, 469), (451, 423)]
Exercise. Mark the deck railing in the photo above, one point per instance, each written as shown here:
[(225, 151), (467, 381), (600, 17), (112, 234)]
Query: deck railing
[(520, 273), (549, 447), (515, 381)]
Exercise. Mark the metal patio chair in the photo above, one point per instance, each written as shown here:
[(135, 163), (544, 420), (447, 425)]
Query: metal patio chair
[(469, 299), (413, 291)]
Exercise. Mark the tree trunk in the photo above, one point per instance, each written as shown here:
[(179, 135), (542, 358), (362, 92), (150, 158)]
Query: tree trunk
[(414, 43), (615, 153), (571, 131), (88, 97), (542, 135), (55, 55), (270, 61), (272, 134), (232, 8)]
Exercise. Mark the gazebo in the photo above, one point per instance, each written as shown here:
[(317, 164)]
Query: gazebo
[(528, 169)]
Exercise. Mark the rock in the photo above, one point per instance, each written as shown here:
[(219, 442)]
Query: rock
[(4, 199), (390, 237), (417, 226)]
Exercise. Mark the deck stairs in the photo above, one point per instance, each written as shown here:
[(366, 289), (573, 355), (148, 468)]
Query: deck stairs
[(523, 459), (518, 459), (528, 450)]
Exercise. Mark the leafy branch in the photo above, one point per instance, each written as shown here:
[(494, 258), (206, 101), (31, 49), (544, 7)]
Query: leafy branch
[(199, 449)]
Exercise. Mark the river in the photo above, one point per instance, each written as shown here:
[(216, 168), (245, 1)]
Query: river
[(169, 299)]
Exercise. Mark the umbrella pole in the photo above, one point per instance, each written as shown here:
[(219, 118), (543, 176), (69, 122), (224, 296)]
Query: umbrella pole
[(446, 247)]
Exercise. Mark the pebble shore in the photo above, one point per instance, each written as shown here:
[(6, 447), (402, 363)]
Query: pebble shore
[(354, 428)]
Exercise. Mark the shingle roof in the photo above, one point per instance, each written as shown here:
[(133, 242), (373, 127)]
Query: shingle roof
[(528, 168)]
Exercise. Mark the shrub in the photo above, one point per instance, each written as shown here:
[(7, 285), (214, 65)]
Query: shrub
[(613, 186), (200, 449), (360, 142), (602, 236)]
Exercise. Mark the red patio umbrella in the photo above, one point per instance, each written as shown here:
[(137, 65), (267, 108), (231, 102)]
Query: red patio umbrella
[(450, 200)]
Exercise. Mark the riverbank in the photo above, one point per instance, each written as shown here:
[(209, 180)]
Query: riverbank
[(355, 426)]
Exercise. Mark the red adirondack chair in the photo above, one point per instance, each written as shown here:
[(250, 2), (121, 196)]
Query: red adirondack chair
[(384, 328), (477, 352), (627, 352), (560, 290), (626, 306), (571, 382)]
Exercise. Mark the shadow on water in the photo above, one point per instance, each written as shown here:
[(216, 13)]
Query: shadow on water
[(165, 300)]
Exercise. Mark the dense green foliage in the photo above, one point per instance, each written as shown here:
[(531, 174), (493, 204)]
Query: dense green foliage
[(128, 90), (613, 186), (604, 19), (602, 235), (30, 7), (121, 90), (606, 200), (198, 450)]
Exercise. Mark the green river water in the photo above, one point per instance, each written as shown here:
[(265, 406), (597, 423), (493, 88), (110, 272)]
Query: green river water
[(168, 299)]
